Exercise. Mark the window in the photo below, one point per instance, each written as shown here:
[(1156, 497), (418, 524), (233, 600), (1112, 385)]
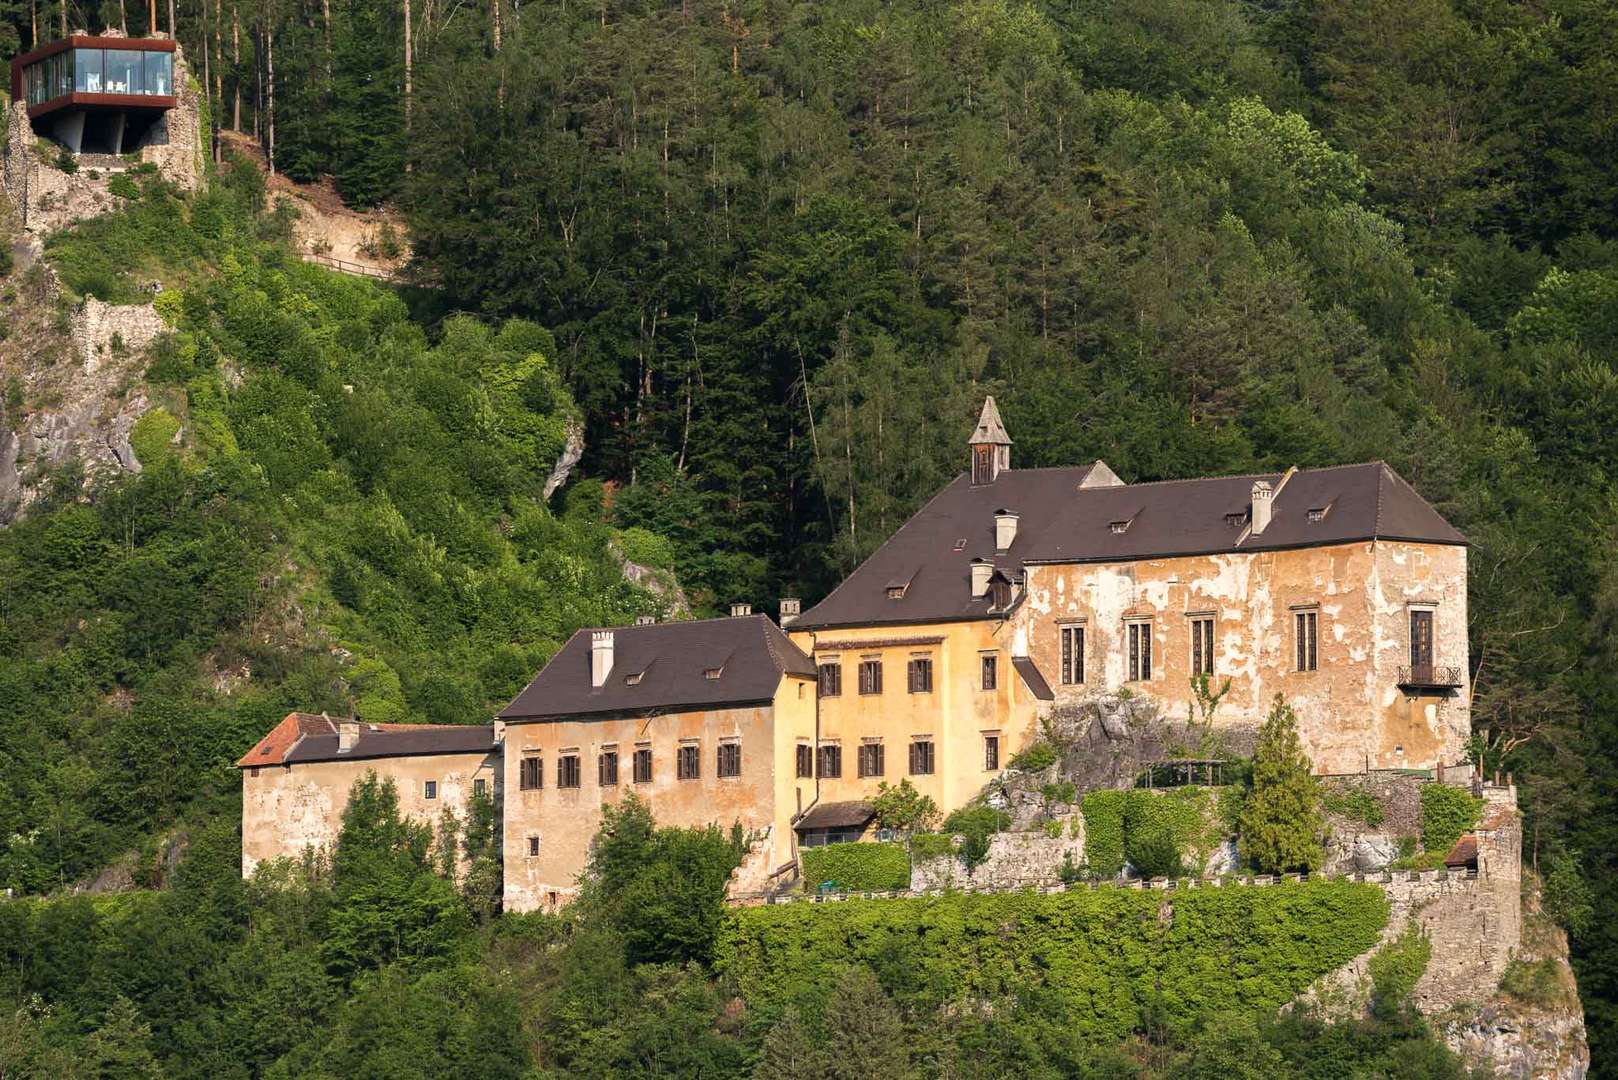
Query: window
[(999, 594), (730, 759), (633, 678), (1140, 651), (1317, 513), (831, 679), (871, 763), (806, 760), (982, 465), (990, 671), (831, 761), (1308, 627), (1237, 519), (896, 592), (1202, 647), (607, 768), (529, 776), (567, 771), (712, 673), (921, 757), (1072, 655), (1421, 641), (870, 676), (431, 790), (1118, 526), (921, 675), (480, 788), (643, 765), (991, 752), (533, 846), (688, 762)]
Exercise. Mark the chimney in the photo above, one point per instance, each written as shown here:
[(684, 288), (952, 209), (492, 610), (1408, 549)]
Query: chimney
[(348, 734), (1005, 529), (1262, 494), (740, 611), (645, 620), (600, 656), (982, 570), (791, 608)]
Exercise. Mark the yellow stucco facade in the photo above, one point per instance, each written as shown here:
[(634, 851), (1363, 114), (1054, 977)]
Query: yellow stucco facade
[(548, 828), (287, 809)]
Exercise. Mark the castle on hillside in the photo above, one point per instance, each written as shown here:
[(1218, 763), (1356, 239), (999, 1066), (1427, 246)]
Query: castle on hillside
[(1012, 593)]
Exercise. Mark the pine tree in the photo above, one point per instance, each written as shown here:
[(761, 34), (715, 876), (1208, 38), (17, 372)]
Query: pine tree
[(1281, 824)]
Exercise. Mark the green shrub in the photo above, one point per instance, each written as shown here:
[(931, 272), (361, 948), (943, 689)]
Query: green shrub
[(976, 823), (904, 808), (1104, 832), (859, 867), (1534, 982), (1107, 953), (1354, 803), (645, 548), (1034, 757), (66, 161), (1446, 813), (1396, 968), (123, 187), (931, 845), (151, 435), (1568, 897)]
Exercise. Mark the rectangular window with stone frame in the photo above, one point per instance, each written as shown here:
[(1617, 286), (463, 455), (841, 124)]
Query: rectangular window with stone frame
[(831, 761), (729, 762), (921, 757), (1072, 655), (806, 761), (871, 759), (688, 762)]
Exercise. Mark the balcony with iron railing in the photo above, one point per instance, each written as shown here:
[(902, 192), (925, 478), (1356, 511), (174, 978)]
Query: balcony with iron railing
[(1440, 677)]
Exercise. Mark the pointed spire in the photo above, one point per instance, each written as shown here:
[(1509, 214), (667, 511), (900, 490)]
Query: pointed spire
[(989, 430)]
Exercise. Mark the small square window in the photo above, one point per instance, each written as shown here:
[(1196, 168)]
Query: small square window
[(533, 846), (431, 790)]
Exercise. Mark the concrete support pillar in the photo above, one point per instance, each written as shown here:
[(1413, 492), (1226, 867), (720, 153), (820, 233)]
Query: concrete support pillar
[(117, 139), (68, 129)]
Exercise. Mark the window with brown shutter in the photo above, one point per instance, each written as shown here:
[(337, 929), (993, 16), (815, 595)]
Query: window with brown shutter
[(831, 761), (1140, 651), (1072, 655), (871, 760), (643, 765), (688, 762), (806, 760), (607, 768), (831, 679), (1307, 624), (1202, 645), (530, 776), (730, 759), (567, 771), (921, 675), (870, 676), (991, 752), (921, 757)]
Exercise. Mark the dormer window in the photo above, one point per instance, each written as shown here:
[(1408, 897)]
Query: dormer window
[(633, 679), (1236, 519), (1318, 513), (960, 545), (896, 592), (1119, 526), (711, 673)]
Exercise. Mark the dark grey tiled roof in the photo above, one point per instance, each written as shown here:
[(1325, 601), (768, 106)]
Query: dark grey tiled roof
[(671, 661), (306, 737), (1060, 521)]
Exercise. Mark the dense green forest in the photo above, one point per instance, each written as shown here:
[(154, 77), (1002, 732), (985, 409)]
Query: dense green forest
[(779, 252)]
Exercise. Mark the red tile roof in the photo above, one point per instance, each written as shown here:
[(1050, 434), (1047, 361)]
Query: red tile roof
[(306, 737)]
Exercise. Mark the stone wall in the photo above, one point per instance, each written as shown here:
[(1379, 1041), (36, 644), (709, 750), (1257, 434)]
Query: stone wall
[(1015, 860)]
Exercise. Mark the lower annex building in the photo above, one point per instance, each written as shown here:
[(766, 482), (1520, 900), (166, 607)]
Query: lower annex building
[(1011, 593)]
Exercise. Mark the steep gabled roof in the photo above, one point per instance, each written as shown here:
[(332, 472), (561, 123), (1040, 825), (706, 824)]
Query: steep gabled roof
[(306, 737), (664, 666), (1064, 520)]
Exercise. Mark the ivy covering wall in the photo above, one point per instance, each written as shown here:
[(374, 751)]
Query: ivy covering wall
[(858, 867), (1446, 813), (1109, 954), (1104, 832)]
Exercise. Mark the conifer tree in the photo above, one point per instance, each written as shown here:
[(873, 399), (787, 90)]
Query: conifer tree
[(1281, 824)]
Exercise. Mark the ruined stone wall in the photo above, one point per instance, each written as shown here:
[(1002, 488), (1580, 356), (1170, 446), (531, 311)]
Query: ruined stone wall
[(1015, 860)]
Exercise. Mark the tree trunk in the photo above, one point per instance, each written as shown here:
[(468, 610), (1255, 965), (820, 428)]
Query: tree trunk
[(325, 15), (269, 104), (173, 33), (236, 64), (123, 19), (407, 59), (218, 56)]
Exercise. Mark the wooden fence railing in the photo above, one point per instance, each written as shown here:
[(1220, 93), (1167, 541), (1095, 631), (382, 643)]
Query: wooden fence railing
[(347, 267)]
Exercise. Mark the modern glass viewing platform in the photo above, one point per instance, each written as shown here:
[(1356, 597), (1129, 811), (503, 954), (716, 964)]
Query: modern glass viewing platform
[(96, 93)]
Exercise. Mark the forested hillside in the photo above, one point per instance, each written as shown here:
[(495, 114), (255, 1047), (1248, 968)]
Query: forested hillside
[(333, 513), (781, 251)]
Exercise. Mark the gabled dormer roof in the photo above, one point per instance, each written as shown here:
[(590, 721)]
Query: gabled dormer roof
[(674, 662), (1067, 517)]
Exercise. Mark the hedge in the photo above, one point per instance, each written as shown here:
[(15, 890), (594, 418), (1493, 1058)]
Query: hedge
[(1159, 826), (1109, 953), (1104, 832), (1446, 813), (858, 867)]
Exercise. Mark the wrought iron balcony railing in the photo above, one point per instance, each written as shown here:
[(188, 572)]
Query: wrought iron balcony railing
[(1431, 676)]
